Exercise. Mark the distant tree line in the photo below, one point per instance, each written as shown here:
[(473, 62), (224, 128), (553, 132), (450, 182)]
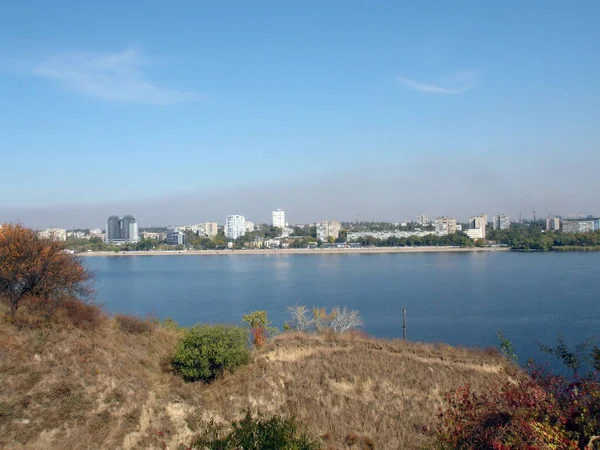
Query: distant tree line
[(455, 240), (534, 238)]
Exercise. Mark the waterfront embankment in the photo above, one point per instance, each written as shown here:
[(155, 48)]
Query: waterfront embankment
[(299, 251)]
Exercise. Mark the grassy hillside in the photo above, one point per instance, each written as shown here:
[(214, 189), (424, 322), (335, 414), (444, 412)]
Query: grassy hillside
[(64, 387)]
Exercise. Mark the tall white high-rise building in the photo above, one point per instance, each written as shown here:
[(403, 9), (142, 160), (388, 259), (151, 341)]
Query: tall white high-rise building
[(278, 218), (235, 226)]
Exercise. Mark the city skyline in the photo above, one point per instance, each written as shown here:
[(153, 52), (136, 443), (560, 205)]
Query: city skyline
[(379, 112)]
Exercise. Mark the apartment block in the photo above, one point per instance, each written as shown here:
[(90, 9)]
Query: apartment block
[(235, 226), (577, 226), (327, 229), (552, 223), (278, 218), (423, 219), (480, 222), (501, 222), (445, 225)]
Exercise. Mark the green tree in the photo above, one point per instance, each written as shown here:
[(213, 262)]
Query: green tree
[(572, 359), (205, 352)]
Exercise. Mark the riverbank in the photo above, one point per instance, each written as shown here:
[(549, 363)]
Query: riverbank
[(300, 251), (109, 386)]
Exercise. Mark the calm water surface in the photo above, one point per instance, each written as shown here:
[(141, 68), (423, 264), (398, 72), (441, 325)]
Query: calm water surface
[(458, 298)]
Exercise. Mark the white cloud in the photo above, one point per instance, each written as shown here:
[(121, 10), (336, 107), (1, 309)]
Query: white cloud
[(108, 76), (456, 83)]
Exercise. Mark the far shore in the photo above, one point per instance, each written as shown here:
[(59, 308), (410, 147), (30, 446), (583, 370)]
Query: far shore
[(300, 251)]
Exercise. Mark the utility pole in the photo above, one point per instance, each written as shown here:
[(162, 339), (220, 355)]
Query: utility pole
[(403, 323)]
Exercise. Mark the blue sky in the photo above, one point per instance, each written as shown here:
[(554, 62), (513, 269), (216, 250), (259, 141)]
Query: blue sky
[(122, 104)]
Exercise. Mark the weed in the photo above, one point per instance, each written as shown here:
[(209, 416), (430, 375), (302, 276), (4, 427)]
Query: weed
[(134, 325)]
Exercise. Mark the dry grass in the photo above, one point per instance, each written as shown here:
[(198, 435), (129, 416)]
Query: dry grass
[(65, 387), (353, 391), (135, 325)]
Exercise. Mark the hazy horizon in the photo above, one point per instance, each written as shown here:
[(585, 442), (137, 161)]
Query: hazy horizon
[(369, 193), (338, 110)]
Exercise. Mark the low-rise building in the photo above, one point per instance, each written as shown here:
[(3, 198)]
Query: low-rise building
[(175, 236), (272, 243), (475, 233), (577, 226), (153, 236)]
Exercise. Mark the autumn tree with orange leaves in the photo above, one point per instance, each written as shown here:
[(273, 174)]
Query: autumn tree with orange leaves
[(37, 269)]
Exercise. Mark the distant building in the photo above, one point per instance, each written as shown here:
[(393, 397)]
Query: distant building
[(153, 236), (278, 218), (552, 223), (58, 234), (77, 235), (423, 220), (480, 222), (175, 236), (272, 243), (577, 226), (250, 227), (235, 226), (475, 233), (209, 229), (445, 225), (123, 229), (96, 232), (596, 224), (327, 229), (501, 222)]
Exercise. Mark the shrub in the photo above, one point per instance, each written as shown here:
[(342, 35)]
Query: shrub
[(82, 315), (543, 411), (276, 433), (207, 351), (134, 325)]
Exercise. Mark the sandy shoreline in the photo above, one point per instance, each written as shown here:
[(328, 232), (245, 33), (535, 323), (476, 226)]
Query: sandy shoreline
[(301, 251)]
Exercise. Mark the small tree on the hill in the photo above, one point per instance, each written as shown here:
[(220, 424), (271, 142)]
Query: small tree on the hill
[(300, 320), (260, 327), (38, 268), (344, 319)]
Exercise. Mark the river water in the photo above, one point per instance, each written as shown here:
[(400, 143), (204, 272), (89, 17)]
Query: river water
[(457, 298)]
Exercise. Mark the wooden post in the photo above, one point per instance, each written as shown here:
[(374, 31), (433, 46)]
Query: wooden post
[(404, 323)]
